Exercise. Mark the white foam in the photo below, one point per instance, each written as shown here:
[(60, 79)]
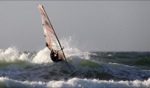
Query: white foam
[(24, 57), (74, 83), (12, 54), (42, 56), (10, 83), (94, 83)]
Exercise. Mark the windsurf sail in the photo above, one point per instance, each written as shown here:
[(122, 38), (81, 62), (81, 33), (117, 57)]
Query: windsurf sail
[(51, 38)]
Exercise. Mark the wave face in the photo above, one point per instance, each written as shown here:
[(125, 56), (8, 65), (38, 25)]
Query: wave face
[(26, 69)]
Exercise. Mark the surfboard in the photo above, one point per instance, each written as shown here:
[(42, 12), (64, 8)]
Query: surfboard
[(52, 41)]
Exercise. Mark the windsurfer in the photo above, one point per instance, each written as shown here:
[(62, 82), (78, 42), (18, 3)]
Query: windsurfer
[(55, 57)]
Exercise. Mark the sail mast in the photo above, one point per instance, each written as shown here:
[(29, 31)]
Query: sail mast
[(55, 34), (50, 34)]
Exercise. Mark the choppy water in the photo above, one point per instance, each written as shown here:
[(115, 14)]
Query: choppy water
[(26, 69)]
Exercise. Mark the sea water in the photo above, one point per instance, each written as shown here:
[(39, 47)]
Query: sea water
[(34, 69)]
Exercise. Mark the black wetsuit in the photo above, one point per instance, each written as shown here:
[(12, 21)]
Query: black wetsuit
[(55, 57)]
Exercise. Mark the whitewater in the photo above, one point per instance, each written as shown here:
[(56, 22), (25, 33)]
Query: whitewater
[(28, 69)]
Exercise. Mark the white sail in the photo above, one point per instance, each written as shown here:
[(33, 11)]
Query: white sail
[(52, 41)]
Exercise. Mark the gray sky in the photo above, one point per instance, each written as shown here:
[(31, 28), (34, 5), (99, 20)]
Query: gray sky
[(95, 25)]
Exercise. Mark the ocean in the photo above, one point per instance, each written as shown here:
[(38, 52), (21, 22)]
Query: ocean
[(34, 69)]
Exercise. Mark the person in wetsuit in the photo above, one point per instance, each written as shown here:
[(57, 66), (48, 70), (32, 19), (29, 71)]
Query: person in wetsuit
[(55, 57)]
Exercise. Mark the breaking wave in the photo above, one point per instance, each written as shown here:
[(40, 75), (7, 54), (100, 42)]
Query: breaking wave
[(74, 83), (26, 69)]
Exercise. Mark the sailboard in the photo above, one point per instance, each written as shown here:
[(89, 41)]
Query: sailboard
[(52, 41)]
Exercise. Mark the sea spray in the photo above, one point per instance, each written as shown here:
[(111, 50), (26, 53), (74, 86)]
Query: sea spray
[(70, 47), (72, 52)]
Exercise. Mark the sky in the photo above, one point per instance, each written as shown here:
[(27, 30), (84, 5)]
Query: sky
[(94, 25)]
